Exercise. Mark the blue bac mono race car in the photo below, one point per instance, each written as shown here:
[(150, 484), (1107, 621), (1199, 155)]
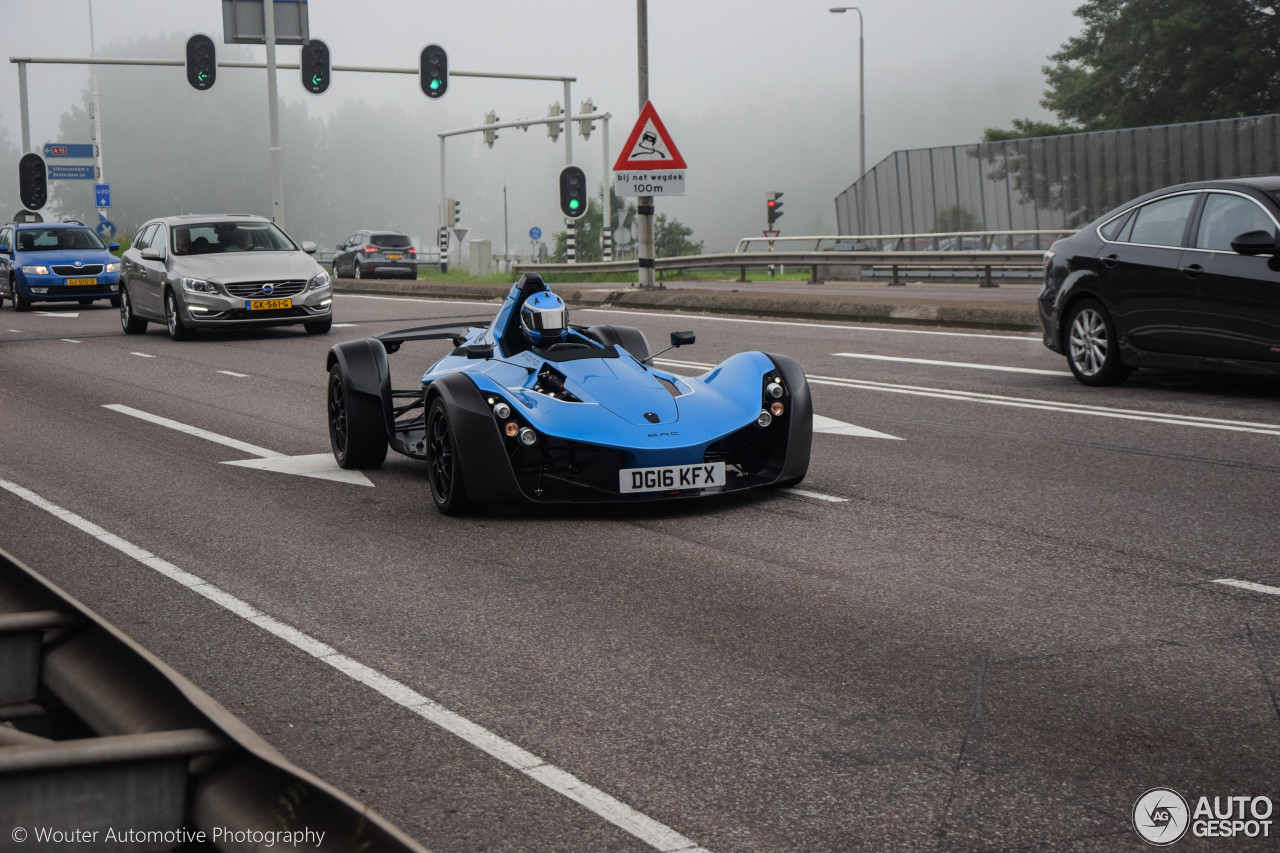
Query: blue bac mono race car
[(532, 409)]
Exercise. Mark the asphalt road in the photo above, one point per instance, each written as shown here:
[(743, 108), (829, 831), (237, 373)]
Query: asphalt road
[(988, 619)]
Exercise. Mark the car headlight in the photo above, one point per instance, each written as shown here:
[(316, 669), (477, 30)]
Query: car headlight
[(198, 285), (35, 270), (112, 267), (321, 280)]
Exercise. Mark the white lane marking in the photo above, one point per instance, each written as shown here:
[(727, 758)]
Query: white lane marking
[(799, 325), (818, 496), (17, 331), (831, 426), (953, 364), (190, 430), (318, 466), (142, 354), (56, 313), (1250, 585), (344, 325), (70, 340), (1027, 403), (233, 373), (657, 835)]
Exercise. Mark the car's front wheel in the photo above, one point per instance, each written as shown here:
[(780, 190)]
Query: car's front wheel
[(319, 327), (130, 322), (20, 302), (178, 330), (1093, 349), (447, 488), (357, 432)]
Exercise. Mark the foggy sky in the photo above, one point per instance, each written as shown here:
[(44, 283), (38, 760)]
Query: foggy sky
[(757, 95)]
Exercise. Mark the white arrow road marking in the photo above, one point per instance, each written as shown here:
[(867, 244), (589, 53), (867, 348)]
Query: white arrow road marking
[(832, 426), (954, 364), (321, 466)]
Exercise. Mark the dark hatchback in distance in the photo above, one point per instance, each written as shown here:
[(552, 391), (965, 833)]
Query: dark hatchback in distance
[(376, 254), (1183, 277)]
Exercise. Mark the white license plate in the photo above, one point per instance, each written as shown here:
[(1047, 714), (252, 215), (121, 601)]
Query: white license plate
[(671, 478)]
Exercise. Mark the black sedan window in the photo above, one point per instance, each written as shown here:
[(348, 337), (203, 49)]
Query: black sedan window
[(1226, 217), (1161, 223)]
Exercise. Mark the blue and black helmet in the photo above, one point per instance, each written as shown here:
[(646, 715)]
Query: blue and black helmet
[(544, 318)]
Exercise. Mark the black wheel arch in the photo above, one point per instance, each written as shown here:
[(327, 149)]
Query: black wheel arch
[(800, 433), (364, 368), (486, 464)]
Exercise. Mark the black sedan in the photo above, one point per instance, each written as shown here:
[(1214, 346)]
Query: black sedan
[(1183, 277)]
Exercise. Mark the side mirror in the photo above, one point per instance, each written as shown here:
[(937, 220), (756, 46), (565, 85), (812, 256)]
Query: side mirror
[(151, 253), (682, 339), (340, 246), (308, 247), (480, 351), (112, 246), (1255, 243)]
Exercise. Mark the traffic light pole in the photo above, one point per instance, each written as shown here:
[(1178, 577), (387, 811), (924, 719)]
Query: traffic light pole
[(644, 204), (273, 118)]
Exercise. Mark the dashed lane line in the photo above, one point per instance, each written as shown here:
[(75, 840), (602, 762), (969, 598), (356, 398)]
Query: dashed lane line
[(657, 835), (1249, 585), (970, 365)]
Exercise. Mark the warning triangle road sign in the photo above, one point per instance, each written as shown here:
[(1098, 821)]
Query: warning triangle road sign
[(649, 146)]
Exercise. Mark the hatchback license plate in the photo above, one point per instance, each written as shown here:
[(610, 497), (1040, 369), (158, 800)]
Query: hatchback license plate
[(671, 478), (267, 304), (82, 282)]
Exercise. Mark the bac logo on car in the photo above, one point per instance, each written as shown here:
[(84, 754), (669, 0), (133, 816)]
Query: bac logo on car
[(660, 434)]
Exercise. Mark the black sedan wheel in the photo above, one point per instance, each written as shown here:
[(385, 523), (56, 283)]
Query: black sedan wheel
[(447, 488), (1093, 350), (357, 433)]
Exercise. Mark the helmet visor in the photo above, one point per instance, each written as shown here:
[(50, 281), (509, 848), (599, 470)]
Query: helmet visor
[(546, 319)]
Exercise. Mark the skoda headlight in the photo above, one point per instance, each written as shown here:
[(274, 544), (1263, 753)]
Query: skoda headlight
[(319, 281), (112, 267), (35, 269), (198, 285)]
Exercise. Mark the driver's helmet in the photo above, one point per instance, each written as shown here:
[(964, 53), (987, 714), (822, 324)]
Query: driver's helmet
[(544, 318)]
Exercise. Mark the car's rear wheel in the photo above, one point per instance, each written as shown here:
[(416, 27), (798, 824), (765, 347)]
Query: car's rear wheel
[(130, 322), (447, 488), (357, 432), (319, 327), (20, 302), (1093, 349), (178, 330)]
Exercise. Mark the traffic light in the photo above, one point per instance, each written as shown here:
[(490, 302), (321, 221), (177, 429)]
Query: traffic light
[(584, 126), (434, 71), (553, 128), (573, 192), (202, 63), (452, 212), (773, 206), (315, 66), (490, 135), (33, 186)]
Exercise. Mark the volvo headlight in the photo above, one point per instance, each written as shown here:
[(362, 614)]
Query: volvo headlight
[(321, 280), (198, 285), (35, 269)]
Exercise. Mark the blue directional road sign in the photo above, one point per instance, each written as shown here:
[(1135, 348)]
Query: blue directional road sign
[(107, 229), (76, 150), (102, 195), (60, 172), (535, 233)]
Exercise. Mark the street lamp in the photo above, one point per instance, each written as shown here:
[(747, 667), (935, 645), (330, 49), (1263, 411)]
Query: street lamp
[(862, 115)]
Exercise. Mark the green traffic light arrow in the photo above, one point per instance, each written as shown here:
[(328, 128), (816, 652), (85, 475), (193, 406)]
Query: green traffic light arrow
[(202, 76), (316, 80)]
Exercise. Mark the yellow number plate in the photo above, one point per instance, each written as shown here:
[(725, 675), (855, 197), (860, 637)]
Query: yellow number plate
[(268, 304), (82, 282), (394, 257)]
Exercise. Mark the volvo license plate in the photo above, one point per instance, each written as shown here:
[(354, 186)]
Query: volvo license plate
[(671, 478), (267, 304)]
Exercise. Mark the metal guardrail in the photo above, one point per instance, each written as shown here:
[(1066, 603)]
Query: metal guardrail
[(1037, 240), (98, 736)]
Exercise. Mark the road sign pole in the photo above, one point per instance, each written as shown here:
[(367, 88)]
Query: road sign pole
[(95, 125), (644, 204), (273, 117)]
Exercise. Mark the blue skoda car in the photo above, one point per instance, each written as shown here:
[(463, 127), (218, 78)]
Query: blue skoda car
[(55, 262)]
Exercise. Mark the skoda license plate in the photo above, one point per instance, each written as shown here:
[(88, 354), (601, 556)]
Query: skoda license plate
[(82, 282), (267, 304), (671, 478)]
